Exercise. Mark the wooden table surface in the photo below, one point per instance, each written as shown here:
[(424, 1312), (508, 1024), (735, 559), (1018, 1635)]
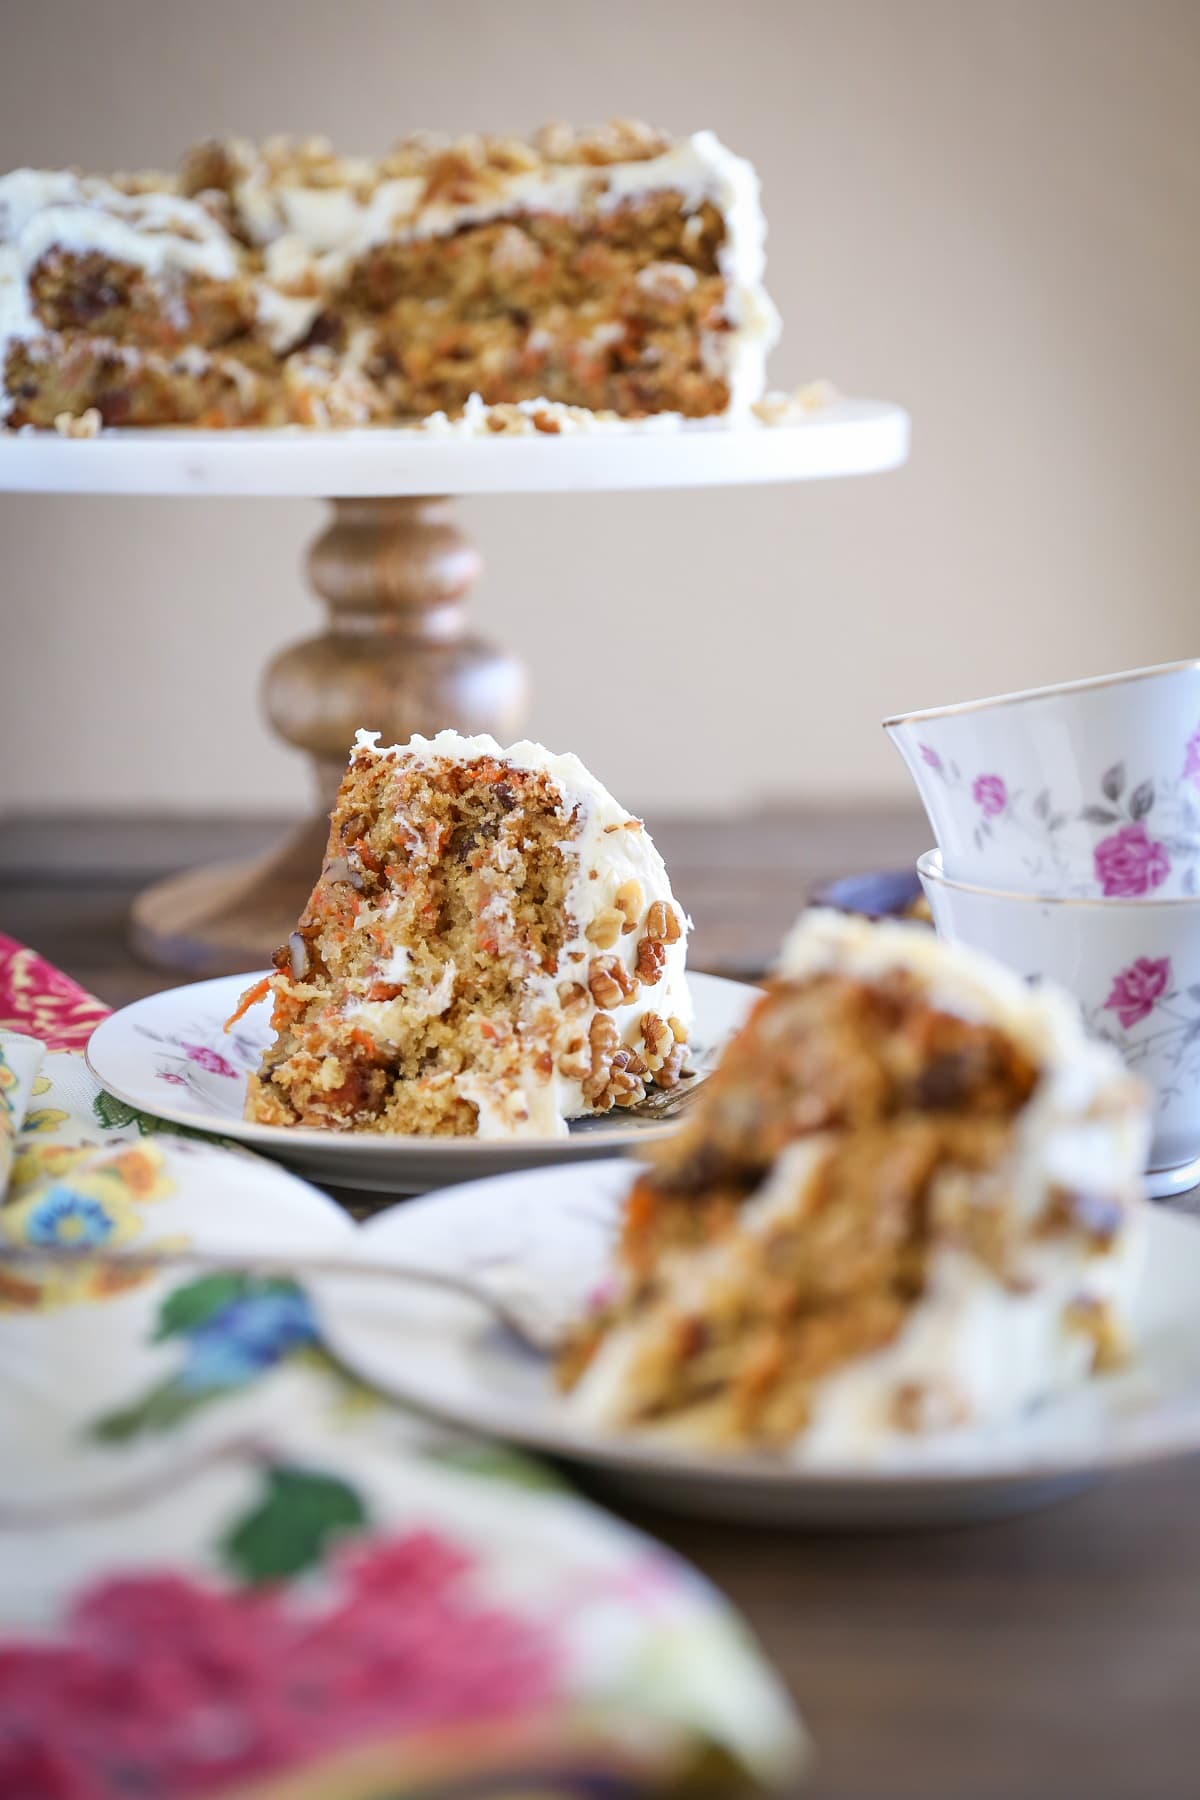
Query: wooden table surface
[(1057, 1654)]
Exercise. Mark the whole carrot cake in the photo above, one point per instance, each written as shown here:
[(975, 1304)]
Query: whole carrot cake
[(492, 948), (614, 270), (905, 1202)]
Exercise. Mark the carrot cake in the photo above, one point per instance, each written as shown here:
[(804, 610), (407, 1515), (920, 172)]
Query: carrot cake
[(905, 1202), (614, 270), (492, 948)]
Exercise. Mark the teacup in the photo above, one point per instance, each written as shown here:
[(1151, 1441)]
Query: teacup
[(1134, 966), (1091, 789)]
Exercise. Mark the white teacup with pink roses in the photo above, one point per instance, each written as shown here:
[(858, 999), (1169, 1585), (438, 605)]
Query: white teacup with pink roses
[(1133, 965), (1089, 790)]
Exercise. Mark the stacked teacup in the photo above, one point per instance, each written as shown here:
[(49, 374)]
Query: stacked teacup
[(1068, 828)]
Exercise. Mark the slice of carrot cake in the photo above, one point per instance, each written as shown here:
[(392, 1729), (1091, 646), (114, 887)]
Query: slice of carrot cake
[(492, 948), (904, 1202)]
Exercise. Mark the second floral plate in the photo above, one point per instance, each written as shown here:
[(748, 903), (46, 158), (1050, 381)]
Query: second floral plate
[(169, 1055), (548, 1234)]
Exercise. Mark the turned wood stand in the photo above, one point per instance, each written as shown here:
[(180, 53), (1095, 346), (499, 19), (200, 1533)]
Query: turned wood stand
[(397, 658), (394, 570)]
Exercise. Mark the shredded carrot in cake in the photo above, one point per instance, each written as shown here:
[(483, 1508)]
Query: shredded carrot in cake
[(250, 998)]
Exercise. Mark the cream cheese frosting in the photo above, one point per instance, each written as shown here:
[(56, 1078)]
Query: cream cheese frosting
[(47, 209)]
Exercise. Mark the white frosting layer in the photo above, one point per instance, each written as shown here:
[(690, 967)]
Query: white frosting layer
[(981, 1348), (608, 847), (45, 209), (1067, 1135), (986, 1351)]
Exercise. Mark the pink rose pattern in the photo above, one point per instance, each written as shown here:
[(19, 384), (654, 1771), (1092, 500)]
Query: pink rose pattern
[(990, 795), (204, 1058), (1191, 760), (1137, 989), (1130, 863), (242, 1685)]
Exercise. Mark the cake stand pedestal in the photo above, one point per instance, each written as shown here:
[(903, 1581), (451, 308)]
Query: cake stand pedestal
[(393, 568)]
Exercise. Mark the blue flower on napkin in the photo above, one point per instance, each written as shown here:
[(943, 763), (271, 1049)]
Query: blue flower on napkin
[(246, 1337), (63, 1216), (231, 1329)]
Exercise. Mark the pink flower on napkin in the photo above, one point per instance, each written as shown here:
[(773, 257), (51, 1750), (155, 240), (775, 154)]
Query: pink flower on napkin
[(39, 1000), (990, 795), (250, 1686), (1136, 989), (1130, 863), (204, 1058)]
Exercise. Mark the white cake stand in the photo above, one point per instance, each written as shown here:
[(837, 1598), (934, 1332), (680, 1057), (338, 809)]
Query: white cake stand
[(394, 569)]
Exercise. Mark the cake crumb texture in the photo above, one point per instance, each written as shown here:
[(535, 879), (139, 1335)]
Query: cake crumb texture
[(482, 954)]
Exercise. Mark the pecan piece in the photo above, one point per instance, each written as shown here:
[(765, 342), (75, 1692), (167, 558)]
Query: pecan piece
[(610, 983), (662, 923), (651, 956)]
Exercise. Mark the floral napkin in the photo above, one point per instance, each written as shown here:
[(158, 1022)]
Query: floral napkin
[(229, 1569)]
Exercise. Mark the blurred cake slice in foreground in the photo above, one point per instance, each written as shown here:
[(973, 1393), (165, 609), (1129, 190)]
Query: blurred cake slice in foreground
[(905, 1202), (492, 948)]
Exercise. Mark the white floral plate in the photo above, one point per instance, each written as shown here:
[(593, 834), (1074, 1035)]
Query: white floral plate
[(556, 1226), (170, 1055)]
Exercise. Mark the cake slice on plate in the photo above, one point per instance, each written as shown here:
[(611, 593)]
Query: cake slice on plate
[(904, 1202), (492, 948)]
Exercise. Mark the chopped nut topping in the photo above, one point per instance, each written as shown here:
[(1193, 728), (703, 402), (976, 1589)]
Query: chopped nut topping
[(79, 425), (610, 983), (662, 923), (628, 900), (668, 1075), (606, 928), (656, 1039), (651, 956)]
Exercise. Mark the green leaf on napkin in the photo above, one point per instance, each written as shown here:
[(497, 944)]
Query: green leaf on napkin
[(161, 1409), (115, 1115), (111, 1112), (188, 1307), (291, 1529)]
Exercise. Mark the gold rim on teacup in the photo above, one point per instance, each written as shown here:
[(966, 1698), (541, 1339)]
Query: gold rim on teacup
[(930, 866), (1021, 695)]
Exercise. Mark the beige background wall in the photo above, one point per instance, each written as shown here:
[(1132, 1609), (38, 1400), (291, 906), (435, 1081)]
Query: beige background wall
[(990, 212)]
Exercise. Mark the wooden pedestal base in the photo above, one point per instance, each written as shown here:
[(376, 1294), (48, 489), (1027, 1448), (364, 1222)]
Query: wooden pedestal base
[(397, 658)]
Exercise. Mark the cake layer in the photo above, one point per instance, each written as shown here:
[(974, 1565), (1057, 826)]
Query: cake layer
[(613, 270), (905, 1202), (492, 948)]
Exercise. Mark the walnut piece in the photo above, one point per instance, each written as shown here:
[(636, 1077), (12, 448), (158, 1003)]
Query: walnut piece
[(651, 957)]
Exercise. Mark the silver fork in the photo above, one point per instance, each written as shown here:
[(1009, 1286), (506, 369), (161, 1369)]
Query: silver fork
[(522, 1309)]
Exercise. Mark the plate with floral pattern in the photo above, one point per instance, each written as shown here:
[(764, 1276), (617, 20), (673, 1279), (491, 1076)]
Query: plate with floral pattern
[(170, 1055), (550, 1233)]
